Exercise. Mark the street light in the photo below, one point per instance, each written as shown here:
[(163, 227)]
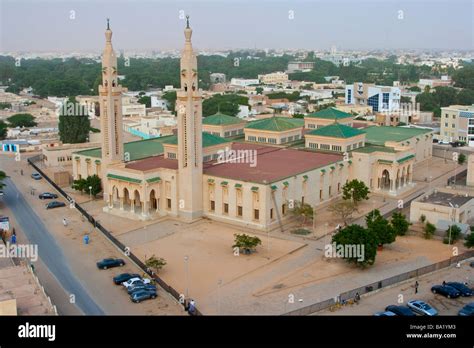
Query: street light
[(90, 193)]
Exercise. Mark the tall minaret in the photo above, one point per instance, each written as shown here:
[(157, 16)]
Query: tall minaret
[(189, 105), (110, 100)]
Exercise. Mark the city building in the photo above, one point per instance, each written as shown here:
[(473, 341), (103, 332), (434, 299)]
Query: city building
[(131, 108), (217, 78), (326, 117), (335, 137), (457, 123), (432, 83), (299, 66), (380, 98), (223, 125), (274, 130), (273, 78), (244, 82)]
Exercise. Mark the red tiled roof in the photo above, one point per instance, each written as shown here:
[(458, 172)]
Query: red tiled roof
[(154, 162), (273, 164)]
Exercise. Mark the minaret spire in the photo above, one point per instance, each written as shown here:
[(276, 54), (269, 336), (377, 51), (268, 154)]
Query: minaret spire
[(108, 23)]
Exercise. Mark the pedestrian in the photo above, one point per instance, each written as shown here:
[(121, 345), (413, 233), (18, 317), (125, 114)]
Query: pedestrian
[(192, 307), (416, 287), (357, 298), (64, 222), (444, 283)]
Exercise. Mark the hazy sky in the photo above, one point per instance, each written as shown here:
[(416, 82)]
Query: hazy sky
[(37, 25)]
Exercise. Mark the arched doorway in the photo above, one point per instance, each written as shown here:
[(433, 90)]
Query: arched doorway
[(398, 181), (115, 196), (126, 197), (153, 201), (385, 181), (136, 199)]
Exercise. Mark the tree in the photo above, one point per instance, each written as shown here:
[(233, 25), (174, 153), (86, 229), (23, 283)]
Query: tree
[(74, 124), (461, 159), (145, 100), (469, 240), (155, 263), (3, 176), (380, 226), (452, 234), (94, 183), (224, 103), (429, 230), (415, 89), (302, 211), (259, 90), (342, 210), (3, 130), (400, 223), (353, 236), (21, 120), (170, 98), (79, 185), (246, 243), (356, 191)]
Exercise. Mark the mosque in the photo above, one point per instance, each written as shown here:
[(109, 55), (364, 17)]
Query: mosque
[(202, 172)]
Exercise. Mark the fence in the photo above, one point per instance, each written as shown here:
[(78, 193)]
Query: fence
[(381, 284), (109, 236)]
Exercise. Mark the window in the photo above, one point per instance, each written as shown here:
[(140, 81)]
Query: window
[(234, 132), (374, 102), (271, 214), (283, 208), (239, 210), (361, 144), (336, 148), (283, 140), (454, 116), (207, 158), (349, 147), (325, 146), (290, 138), (226, 208), (338, 187), (385, 100), (171, 155), (310, 125), (241, 131), (256, 214), (262, 139), (453, 125), (329, 190), (297, 137), (445, 124), (313, 145), (226, 134), (321, 194), (168, 203), (349, 96), (212, 206), (302, 200), (252, 138), (272, 140)]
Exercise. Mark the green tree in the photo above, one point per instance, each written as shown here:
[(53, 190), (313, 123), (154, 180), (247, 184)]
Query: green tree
[(145, 100), (381, 227), (3, 176), (259, 90), (5, 106), (21, 120), (74, 124), (355, 190), (461, 159), (155, 263), (246, 243), (3, 130), (415, 89), (302, 211), (93, 185), (400, 223), (469, 243), (355, 235), (342, 210), (465, 97), (170, 98), (452, 234), (227, 104), (79, 185), (429, 230)]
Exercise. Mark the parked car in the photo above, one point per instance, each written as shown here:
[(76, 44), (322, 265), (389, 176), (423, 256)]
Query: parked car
[(36, 176), (55, 204), (109, 263), (422, 308), (443, 142), (141, 286), (467, 310), (385, 314), (463, 289), (123, 277), (471, 264), (1, 193), (446, 291), (400, 310), (48, 195), (133, 281), (142, 295)]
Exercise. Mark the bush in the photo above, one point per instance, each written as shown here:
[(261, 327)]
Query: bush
[(246, 243), (422, 218), (469, 243), (455, 234), (429, 230)]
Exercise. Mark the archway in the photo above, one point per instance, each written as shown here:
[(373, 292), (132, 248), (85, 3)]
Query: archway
[(115, 196), (385, 181), (126, 197), (153, 201), (398, 181), (404, 176), (136, 199)]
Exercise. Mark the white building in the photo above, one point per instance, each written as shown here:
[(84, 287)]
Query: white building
[(380, 98), (274, 78), (244, 82)]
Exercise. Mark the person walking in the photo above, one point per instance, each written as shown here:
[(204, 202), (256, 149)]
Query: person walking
[(416, 287), (192, 307), (64, 222)]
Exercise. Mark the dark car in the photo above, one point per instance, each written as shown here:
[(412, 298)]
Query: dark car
[(463, 289), (109, 263), (141, 295), (55, 204), (36, 176), (141, 286), (471, 264), (467, 310), (119, 279), (446, 291), (400, 310), (48, 195)]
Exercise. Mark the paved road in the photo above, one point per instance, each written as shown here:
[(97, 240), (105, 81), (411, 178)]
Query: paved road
[(49, 251)]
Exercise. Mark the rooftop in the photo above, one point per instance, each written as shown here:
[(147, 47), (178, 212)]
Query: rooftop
[(272, 164), (330, 113), (372, 148), (152, 147), (153, 163), (444, 198), (277, 124), (219, 119), (336, 130), (378, 135)]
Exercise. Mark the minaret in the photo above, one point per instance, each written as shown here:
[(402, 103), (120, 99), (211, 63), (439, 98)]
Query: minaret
[(189, 106), (110, 100)]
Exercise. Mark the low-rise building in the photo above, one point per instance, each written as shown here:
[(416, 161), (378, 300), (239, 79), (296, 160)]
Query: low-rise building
[(380, 98), (274, 130), (274, 78), (223, 125), (335, 137), (457, 123), (326, 117)]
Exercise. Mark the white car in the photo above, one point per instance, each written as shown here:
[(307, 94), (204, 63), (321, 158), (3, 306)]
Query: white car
[(132, 281), (422, 308)]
